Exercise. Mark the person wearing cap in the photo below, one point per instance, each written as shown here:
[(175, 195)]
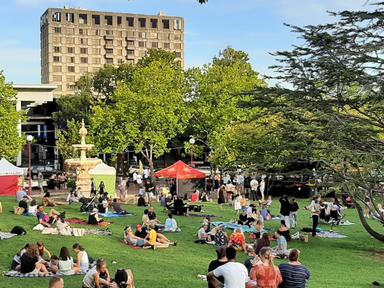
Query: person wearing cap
[(94, 218), (131, 239)]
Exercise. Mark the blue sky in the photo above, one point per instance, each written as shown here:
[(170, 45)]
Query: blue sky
[(254, 26)]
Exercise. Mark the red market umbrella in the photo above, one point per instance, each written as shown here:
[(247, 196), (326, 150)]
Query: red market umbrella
[(180, 171)]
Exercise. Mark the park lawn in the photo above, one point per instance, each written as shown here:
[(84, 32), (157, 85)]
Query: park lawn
[(352, 262)]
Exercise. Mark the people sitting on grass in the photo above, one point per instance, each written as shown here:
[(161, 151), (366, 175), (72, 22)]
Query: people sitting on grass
[(16, 259), (47, 201), (294, 274), (94, 218), (171, 224), (20, 195), (221, 237), (204, 197), (131, 239), (243, 219), (284, 230), (158, 240), (259, 226), (265, 213), (63, 227), (53, 264), (195, 196), (32, 208), (22, 207), (202, 235), (266, 274), (66, 265), (261, 243), (74, 196), (30, 262), (235, 274), (116, 206), (237, 240), (253, 258), (219, 261), (82, 260), (43, 251), (123, 279), (98, 276), (179, 207), (46, 219), (141, 231), (281, 250)]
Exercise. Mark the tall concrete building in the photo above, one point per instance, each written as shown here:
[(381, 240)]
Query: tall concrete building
[(77, 41)]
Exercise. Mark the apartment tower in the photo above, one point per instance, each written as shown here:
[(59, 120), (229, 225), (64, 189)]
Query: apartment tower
[(77, 41)]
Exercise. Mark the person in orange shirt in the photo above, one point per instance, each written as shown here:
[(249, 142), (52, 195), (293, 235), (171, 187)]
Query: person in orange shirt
[(266, 274), (237, 240)]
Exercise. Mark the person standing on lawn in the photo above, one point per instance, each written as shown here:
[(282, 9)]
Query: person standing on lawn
[(315, 211), (294, 274), (235, 274)]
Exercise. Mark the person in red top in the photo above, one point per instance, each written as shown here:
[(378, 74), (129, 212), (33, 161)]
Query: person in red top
[(266, 274), (237, 240), (195, 196)]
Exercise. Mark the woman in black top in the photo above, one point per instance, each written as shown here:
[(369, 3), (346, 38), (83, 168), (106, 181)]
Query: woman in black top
[(221, 260), (29, 261)]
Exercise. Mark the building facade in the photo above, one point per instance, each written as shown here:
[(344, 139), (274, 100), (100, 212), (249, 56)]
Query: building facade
[(38, 103), (76, 41)]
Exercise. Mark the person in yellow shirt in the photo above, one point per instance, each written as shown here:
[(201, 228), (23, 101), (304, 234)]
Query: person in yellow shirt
[(153, 239)]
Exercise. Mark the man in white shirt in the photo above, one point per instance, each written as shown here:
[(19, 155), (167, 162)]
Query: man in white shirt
[(235, 274), (254, 185)]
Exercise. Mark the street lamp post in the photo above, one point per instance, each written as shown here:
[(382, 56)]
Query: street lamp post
[(29, 140), (192, 142)]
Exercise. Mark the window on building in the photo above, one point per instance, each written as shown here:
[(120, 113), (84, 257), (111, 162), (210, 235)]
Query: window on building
[(177, 46), (56, 68), (178, 54), (120, 33), (155, 45), (142, 22), (167, 45), (83, 60), (141, 44), (70, 17), (96, 60), (119, 52), (83, 41), (130, 61), (70, 87), (83, 69), (119, 43), (71, 69), (165, 23), (70, 31), (120, 61), (96, 19), (142, 35), (153, 35), (71, 59), (131, 33), (109, 51), (130, 52), (109, 42), (70, 78), (56, 49), (83, 18), (154, 23), (119, 20), (83, 50), (130, 21), (108, 32), (56, 17), (70, 40), (108, 20), (57, 30), (56, 58), (97, 51), (177, 37), (57, 78), (81, 31), (71, 50), (130, 42), (97, 32), (109, 60), (177, 24), (96, 41)]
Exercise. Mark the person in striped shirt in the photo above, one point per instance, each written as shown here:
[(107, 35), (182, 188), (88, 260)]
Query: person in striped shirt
[(295, 275)]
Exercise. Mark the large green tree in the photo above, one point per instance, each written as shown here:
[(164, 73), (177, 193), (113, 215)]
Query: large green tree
[(217, 89), (10, 140), (336, 80), (147, 112)]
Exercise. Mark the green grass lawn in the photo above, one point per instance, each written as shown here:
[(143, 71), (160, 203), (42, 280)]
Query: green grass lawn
[(352, 262)]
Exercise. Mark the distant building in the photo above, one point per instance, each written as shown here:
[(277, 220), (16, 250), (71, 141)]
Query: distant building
[(76, 41), (38, 103)]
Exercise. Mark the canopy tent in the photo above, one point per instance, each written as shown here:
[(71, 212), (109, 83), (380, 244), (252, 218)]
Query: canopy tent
[(180, 171), (9, 176), (107, 174)]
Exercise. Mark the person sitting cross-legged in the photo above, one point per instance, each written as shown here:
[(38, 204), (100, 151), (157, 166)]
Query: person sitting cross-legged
[(171, 224)]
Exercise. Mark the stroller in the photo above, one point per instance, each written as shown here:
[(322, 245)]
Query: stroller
[(88, 204)]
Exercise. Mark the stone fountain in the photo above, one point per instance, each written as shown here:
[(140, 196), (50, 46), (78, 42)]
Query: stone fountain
[(83, 164)]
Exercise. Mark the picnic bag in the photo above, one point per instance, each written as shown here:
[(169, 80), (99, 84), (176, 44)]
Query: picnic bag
[(18, 230)]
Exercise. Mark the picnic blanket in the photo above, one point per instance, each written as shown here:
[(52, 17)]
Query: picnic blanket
[(77, 232), (83, 222), (17, 274), (114, 215), (346, 223), (233, 226), (329, 234), (5, 235)]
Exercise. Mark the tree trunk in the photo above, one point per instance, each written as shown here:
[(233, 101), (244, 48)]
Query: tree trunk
[(365, 224)]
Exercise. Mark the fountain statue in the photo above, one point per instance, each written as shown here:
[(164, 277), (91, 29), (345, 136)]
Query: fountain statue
[(83, 164)]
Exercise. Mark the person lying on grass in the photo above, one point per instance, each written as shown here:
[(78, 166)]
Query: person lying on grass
[(131, 239), (157, 240), (46, 219), (98, 276), (82, 262)]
